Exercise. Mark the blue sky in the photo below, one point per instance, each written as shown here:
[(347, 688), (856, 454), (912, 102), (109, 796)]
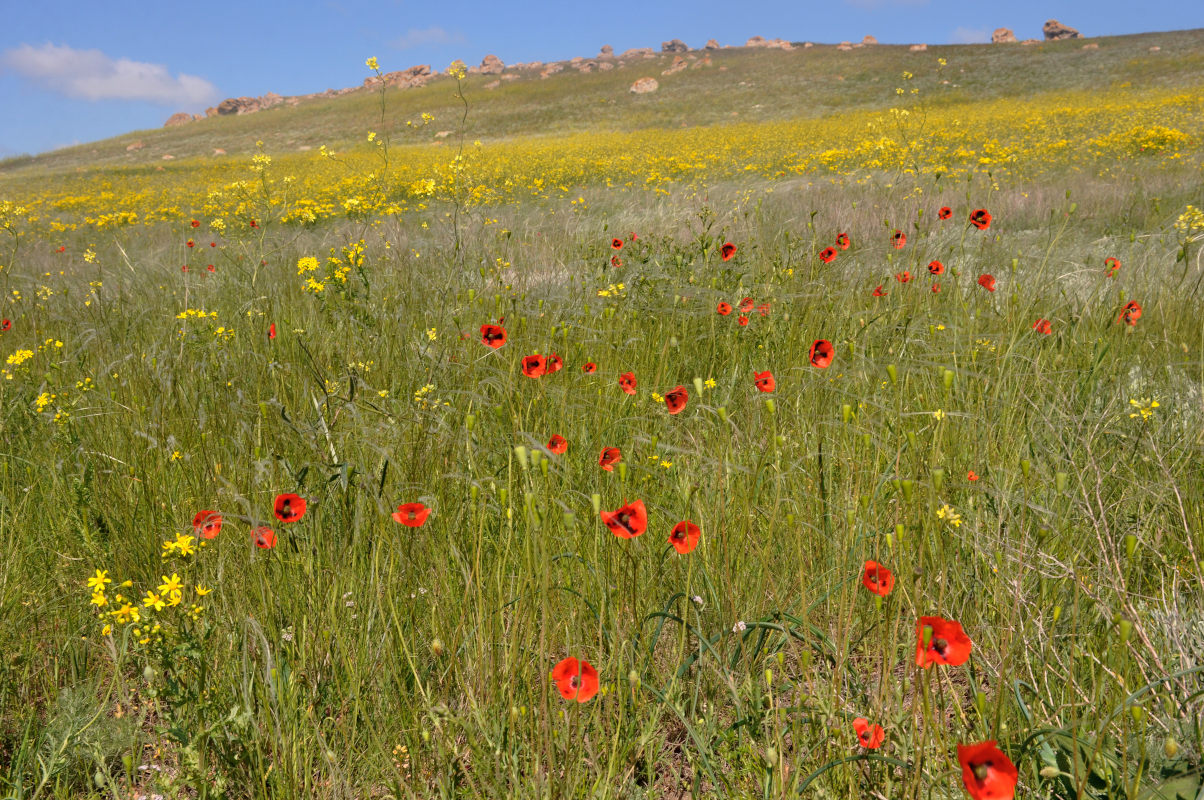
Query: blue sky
[(79, 71)]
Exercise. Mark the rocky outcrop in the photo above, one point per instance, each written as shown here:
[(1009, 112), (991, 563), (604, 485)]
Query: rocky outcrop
[(844, 46), (677, 66), (138, 145), (180, 119), (644, 86), (1091, 46), (1003, 36), (711, 45), (402, 79), (918, 48), (551, 69), (606, 52), (638, 52), (869, 40), (674, 46), (249, 105), (1055, 30), (585, 66), (492, 65)]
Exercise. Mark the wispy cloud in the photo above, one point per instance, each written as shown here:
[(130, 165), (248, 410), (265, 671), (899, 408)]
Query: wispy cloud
[(962, 35), (92, 75), (424, 37)]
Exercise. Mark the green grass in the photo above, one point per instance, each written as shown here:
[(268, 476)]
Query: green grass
[(361, 658)]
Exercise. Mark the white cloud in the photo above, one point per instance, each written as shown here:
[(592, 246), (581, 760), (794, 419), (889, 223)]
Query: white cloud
[(92, 75), (962, 35), (421, 37)]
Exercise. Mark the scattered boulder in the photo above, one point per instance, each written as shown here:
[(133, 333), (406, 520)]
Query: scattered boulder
[(756, 41), (493, 84), (180, 119), (674, 46), (402, 79), (807, 45), (551, 69), (1031, 41), (1091, 46), (761, 41), (704, 62), (606, 52), (678, 65), (711, 45), (604, 66), (1055, 30), (586, 66), (217, 151), (1155, 49), (869, 40), (168, 156), (443, 134), (638, 52), (507, 77), (138, 145), (644, 86), (918, 48), (1003, 36), (492, 65), (844, 46)]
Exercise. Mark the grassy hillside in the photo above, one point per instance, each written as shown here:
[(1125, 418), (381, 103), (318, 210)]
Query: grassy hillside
[(747, 85)]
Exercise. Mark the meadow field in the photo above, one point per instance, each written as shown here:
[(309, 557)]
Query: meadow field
[(839, 448)]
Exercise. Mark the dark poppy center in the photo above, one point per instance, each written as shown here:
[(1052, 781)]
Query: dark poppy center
[(286, 509), (940, 645), (981, 771), (574, 681)]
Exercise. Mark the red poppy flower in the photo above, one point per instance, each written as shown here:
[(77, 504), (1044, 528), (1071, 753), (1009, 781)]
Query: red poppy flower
[(827, 254), (190, 243), (289, 507), (987, 773), (412, 515), (616, 244), (727, 251), (627, 382), (62, 248), (272, 331), (821, 353), (1043, 326), (265, 537), (558, 445), (1112, 265), (987, 282), (936, 288), (555, 364), (184, 268), (747, 304), (627, 522), (254, 224), (743, 320), (947, 642), (589, 368), (1130, 313), (764, 381), (935, 267), (945, 212), (213, 244), (493, 336), (877, 579), (724, 309), (763, 309), (899, 238), (903, 277), (534, 366), (684, 536), (207, 524), (842, 241), (633, 237), (980, 218), (878, 292), (6, 324), (609, 457), (871, 737), (196, 223), (676, 399), (616, 262), (971, 475), (576, 680)]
